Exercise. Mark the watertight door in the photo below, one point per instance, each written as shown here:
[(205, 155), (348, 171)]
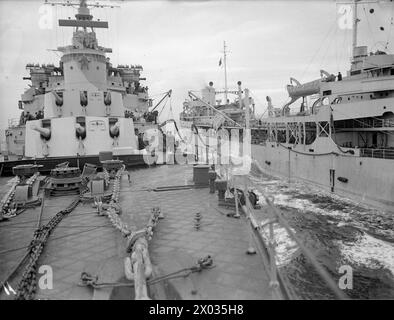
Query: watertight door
[(332, 179)]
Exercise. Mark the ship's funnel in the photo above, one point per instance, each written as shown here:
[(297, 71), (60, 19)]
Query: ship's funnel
[(44, 132)]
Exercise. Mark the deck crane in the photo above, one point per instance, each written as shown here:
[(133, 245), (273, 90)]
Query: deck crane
[(167, 94), (152, 115)]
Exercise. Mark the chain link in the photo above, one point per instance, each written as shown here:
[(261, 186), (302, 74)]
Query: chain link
[(113, 208), (27, 287), (5, 204)]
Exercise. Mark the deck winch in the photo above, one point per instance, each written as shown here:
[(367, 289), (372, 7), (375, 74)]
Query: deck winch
[(65, 180)]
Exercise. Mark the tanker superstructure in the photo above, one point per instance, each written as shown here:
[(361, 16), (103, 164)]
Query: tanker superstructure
[(84, 105)]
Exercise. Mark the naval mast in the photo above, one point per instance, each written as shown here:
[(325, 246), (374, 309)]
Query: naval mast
[(355, 23), (225, 72)]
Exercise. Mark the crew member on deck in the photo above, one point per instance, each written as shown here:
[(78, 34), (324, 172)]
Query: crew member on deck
[(339, 77)]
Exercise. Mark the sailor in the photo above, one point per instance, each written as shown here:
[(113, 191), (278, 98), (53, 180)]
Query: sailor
[(141, 143), (22, 118), (40, 115), (136, 135), (339, 77), (28, 116)]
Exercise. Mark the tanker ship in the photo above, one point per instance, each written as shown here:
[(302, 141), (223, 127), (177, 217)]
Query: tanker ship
[(340, 137)]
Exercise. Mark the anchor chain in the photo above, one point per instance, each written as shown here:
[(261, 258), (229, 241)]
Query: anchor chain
[(106, 176), (5, 204), (27, 286), (113, 209)]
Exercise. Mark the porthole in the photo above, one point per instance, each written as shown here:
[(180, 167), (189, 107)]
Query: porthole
[(71, 67)]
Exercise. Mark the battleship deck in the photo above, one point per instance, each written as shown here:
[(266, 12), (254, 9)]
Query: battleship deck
[(85, 241)]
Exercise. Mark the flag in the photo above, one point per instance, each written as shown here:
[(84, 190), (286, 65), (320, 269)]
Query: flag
[(220, 62)]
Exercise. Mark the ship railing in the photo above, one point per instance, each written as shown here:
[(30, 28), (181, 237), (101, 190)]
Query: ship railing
[(264, 233), (370, 123), (383, 123), (203, 120), (377, 153)]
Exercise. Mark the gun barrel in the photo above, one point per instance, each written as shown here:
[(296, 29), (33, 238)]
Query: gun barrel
[(107, 100), (114, 129), (59, 99), (45, 132), (81, 130)]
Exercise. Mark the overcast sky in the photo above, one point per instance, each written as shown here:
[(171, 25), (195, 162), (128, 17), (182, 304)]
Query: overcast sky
[(179, 43)]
